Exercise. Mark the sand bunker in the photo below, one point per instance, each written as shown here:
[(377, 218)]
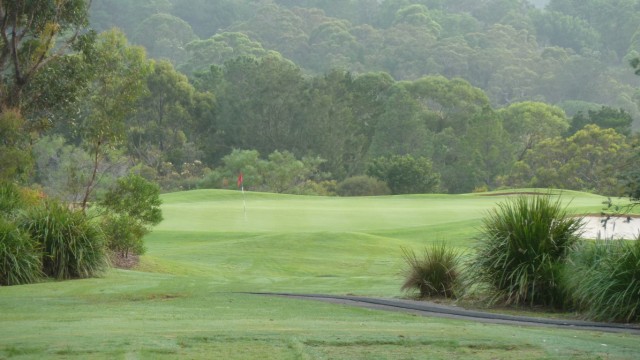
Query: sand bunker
[(615, 228)]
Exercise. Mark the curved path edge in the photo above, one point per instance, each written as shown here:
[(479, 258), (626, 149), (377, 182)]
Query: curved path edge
[(431, 309)]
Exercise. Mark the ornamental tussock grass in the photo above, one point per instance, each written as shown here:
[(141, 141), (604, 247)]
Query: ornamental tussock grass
[(435, 274), (73, 245), (604, 280), (20, 261), (522, 248)]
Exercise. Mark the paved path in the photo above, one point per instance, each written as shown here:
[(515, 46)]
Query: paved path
[(425, 308)]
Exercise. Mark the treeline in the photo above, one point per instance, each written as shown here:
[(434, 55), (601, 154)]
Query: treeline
[(573, 53), (94, 107)]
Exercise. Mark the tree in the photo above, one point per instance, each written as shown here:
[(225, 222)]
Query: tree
[(132, 206), (589, 160), (116, 86), (217, 50), (31, 37), (605, 117), (405, 174), (401, 129), (164, 36), (16, 160), (260, 104), (530, 122), (160, 130), (448, 103)]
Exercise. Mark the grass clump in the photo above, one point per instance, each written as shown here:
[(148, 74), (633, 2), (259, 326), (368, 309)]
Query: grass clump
[(73, 245), (436, 274), (20, 261), (604, 280), (522, 248)]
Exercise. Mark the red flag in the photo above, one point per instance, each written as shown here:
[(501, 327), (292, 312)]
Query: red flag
[(240, 180)]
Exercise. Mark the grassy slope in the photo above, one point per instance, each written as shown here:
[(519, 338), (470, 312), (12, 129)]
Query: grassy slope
[(181, 303)]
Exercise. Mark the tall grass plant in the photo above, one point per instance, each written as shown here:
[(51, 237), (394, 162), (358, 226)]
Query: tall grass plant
[(522, 248), (437, 273), (20, 261), (604, 280), (73, 245)]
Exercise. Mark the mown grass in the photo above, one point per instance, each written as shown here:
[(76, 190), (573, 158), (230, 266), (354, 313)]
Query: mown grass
[(183, 300)]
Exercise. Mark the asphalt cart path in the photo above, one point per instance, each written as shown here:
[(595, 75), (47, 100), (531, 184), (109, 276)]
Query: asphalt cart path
[(425, 308)]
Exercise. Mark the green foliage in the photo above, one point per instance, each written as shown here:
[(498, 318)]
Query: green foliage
[(589, 160), (16, 160), (20, 256), (437, 273), (32, 39), (73, 245), (405, 174), (10, 198), (135, 197), (522, 248), (362, 186), (132, 206), (603, 280), (605, 117), (117, 82), (124, 234), (281, 172)]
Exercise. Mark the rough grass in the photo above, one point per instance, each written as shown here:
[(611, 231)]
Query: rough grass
[(181, 302)]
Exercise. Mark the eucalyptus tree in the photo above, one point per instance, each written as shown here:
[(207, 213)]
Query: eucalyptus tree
[(38, 40), (218, 49), (259, 104), (118, 73), (164, 36), (589, 160), (163, 124), (34, 34), (528, 123)]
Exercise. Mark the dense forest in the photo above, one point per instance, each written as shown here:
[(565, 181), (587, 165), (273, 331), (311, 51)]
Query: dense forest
[(347, 97)]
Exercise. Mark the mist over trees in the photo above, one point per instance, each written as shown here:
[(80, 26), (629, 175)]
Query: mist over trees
[(474, 95)]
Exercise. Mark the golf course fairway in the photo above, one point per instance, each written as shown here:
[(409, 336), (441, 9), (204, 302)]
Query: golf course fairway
[(186, 300)]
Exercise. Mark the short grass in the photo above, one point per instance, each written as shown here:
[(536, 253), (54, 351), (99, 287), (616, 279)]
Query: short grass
[(184, 299)]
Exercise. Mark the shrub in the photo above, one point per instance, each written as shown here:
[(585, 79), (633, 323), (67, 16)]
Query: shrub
[(135, 197), (124, 234), (436, 274), (604, 280), (362, 186), (10, 198), (20, 261), (72, 244), (522, 247), (131, 207)]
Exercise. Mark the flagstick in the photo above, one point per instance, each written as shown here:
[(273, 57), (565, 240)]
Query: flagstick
[(244, 202)]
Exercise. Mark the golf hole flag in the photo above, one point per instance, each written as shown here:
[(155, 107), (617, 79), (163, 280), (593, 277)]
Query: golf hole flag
[(240, 180)]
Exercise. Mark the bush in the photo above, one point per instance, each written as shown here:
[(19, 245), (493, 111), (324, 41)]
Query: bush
[(604, 280), (72, 244), (362, 186), (131, 207), (522, 247), (436, 274), (20, 261), (124, 234)]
